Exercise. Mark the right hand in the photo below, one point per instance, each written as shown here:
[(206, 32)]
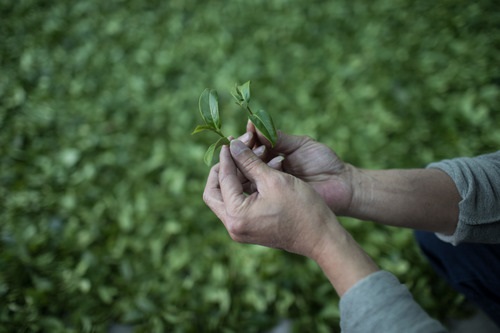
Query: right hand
[(312, 162), (283, 212)]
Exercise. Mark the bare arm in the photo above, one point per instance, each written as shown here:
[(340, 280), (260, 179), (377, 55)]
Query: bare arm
[(284, 213), (287, 213), (425, 199)]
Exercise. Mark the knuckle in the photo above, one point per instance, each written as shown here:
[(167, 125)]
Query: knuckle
[(206, 197), (223, 179), (236, 237), (276, 181), (236, 231), (250, 162)]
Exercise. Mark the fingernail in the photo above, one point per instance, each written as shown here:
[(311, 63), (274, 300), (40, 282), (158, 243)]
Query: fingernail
[(245, 138), (259, 151), (275, 162), (237, 147)]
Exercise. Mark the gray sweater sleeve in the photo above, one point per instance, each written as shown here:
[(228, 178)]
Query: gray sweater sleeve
[(379, 303), (478, 182)]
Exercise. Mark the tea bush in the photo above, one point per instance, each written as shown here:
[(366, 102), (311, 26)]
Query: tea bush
[(102, 220)]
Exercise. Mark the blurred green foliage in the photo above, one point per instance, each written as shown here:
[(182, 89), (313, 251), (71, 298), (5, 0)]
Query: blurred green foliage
[(101, 214)]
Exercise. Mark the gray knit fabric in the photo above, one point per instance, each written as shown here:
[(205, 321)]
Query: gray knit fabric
[(478, 182), (379, 303)]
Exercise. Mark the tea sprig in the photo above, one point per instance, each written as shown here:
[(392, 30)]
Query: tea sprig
[(209, 110), (260, 118)]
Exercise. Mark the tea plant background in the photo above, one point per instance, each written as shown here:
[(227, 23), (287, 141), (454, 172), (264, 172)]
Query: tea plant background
[(101, 217)]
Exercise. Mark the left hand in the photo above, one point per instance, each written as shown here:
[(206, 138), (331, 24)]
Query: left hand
[(310, 161)]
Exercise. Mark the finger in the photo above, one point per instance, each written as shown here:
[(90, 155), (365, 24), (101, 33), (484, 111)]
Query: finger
[(241, 177), (285, 144), (248, 139), (247, 162), (260, 151), (276, 163), (247, 185), (212, 194), (250, 127), (230, 185), (257, 151), (212, 189)]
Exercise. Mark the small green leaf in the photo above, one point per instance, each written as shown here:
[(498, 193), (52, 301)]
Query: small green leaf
[(242, 94), (204, 106), (201, 128), (264, 123), (209, 155), (244, 91), (237, 97), (214, 108), (209, 107)]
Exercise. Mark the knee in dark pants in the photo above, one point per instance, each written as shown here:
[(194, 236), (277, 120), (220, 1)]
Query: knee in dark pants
[(471, 269)]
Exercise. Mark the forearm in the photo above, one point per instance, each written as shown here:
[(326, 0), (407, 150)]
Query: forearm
[(342, 260), (424, 199)]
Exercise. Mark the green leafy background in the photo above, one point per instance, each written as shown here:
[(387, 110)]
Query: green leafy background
[(102, 220)]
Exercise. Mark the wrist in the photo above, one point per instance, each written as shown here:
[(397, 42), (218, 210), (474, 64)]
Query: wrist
[(361, 189), (347, 191), (332, 242), (342, 260)]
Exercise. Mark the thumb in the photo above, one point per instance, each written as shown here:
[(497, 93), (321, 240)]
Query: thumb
[(247, 162), (285, 144)]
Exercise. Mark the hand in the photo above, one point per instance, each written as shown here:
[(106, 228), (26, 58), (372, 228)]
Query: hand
[(283, 212), (312, 162), (423, 199)]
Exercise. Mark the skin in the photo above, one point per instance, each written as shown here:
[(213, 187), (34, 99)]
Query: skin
[(423, 199), (299, 222), (288, 196)]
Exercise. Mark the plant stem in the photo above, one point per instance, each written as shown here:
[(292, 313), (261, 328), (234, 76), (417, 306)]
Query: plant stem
[(218, 131)]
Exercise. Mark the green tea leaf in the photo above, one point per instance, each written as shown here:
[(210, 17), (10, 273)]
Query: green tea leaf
[(242, 94), (209, 107), (209, 155), (204, 106), (214, 108), (264, 123), (244, 91), (202, 128), (237, 97)]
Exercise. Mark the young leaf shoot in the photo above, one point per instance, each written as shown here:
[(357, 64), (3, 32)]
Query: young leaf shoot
[(261, 119), (209, 110)]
